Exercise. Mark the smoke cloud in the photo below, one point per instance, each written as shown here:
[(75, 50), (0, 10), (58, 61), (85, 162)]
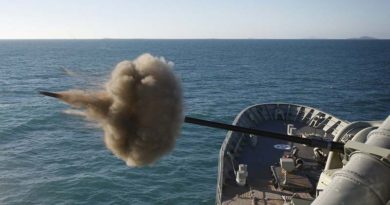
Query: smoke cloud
[(140, 109)]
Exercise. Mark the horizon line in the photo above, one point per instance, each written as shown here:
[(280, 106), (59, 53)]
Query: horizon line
[(358, 38)]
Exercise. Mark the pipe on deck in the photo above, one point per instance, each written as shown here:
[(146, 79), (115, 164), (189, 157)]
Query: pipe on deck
[(365, 179)]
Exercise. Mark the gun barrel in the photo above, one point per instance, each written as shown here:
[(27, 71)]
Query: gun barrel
[(50, 94)]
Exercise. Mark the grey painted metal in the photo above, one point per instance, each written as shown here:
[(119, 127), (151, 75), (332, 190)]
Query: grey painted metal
[(365, 179), (306, 141), (257, 115), (334, 161)]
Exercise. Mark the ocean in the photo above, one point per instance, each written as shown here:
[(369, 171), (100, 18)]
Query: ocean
[(50, 157)]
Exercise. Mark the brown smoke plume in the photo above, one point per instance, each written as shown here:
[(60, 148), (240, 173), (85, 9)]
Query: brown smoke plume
[(140, 109)]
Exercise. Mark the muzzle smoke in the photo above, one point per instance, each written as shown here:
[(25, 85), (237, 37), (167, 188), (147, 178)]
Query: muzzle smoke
[(140, 109)]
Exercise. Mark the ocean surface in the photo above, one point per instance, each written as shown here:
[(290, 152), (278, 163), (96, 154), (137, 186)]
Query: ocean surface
[(50, 157)]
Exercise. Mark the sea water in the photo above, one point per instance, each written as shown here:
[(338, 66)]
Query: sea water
[(50, 157)]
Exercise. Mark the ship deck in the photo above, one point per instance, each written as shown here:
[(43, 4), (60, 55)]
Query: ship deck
[(267, 182), (260, 187)]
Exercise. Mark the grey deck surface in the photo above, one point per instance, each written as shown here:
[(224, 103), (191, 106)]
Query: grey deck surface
[(236, 149), (259, 189)]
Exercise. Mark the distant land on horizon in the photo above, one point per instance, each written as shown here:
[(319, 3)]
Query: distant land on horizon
[(365, 38)]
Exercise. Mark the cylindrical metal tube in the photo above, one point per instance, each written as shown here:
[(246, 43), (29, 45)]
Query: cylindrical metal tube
[(365, 179), (310, 142)]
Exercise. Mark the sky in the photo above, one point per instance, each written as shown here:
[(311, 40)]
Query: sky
[(187, 19)]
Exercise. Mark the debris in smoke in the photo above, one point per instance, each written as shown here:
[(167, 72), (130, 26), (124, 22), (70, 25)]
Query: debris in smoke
[(140, 109), (69, 72)]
